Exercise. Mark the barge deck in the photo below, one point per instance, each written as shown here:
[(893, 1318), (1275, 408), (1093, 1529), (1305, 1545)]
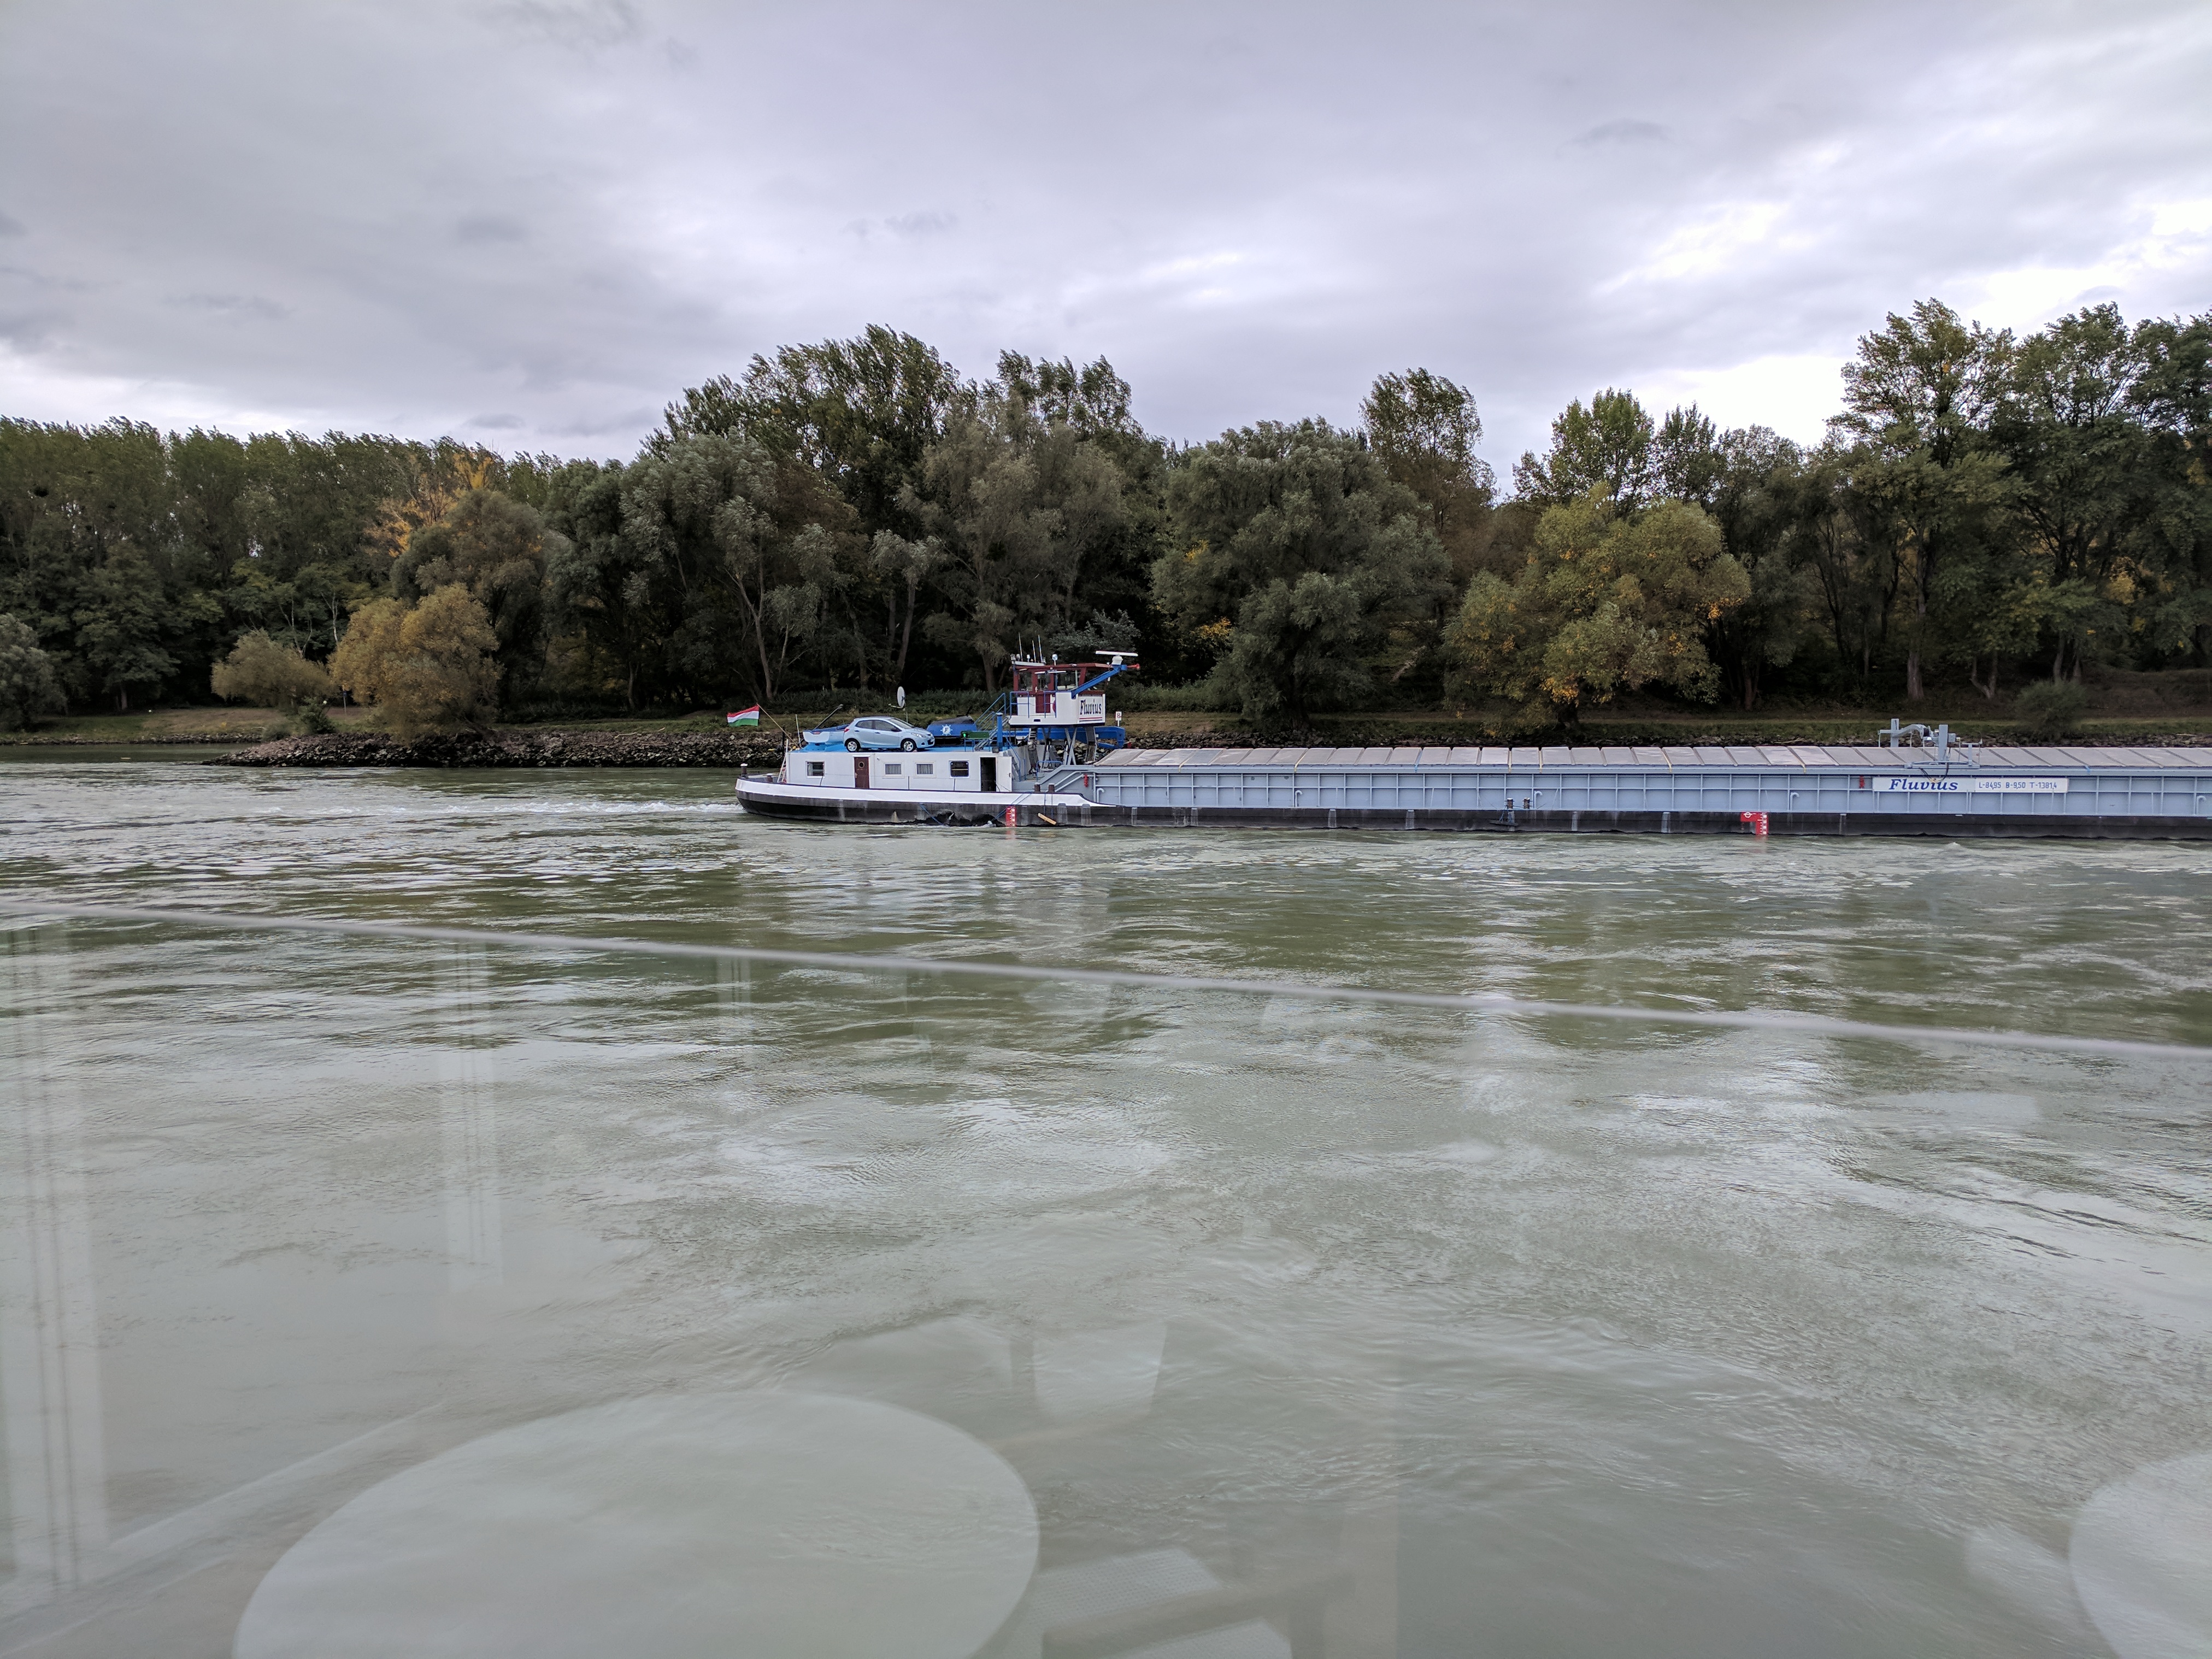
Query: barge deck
[(1813, 789), (2138, 793)]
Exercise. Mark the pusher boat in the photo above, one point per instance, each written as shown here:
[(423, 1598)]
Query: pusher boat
[(989, 769)]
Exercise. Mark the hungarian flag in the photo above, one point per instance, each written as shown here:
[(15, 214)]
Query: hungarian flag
[(746, 716)]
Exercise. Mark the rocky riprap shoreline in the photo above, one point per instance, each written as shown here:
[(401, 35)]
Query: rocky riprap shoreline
[(510, 749)]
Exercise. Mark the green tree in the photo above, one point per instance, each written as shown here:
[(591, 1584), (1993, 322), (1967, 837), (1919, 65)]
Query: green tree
[(1090, 399), (1851, 566), (741, 542), (1606, 603), (27, 686), (1689, 457), (1917, 397), (1300, 557), (495, 546), (87, 516), (1426, 428), (1741, 480), (600, 585), (120, 619), (1072, 416), (1018, 506), (2103, 483), (901, 567), (862, 414), (1607, 447), (124, 549), (1992, 608), (306, 611)]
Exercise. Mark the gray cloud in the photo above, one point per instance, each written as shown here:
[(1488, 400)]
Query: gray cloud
[(27, 330), (621, 422), (490, 228), (12, 227), (904, 225), (920, 224), (1252, 210), (500, 423), (589, 25), (243, 307), (1623, 132)]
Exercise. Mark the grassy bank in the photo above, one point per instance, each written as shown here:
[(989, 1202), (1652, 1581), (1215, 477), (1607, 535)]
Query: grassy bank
[(1441, 727), (179, 726), (237, 726)]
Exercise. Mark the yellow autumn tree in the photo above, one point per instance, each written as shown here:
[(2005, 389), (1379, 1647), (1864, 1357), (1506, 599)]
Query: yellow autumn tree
[(424, 667), (260, 672), (455, 472), (1606, 603)]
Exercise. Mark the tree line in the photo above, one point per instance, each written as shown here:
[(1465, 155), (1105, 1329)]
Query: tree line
[(851, 516)]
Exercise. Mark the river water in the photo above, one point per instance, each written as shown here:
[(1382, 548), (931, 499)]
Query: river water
[(1515, 1336)]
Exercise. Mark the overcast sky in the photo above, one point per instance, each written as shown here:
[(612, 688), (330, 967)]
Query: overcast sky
[(531, 224)]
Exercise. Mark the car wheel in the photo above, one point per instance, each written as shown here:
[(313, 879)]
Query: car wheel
[(907, 743), (852, 744)]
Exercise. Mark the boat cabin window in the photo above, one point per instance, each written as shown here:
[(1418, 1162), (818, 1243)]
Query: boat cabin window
[(891, 767), (959, 768), (814, 769), (924, 766)]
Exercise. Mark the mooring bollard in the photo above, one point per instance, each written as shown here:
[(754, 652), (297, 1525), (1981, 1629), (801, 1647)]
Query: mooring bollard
[(1756, 820)]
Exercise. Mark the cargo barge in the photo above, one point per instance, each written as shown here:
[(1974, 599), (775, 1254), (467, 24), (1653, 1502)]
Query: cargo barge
[(1911, 782)]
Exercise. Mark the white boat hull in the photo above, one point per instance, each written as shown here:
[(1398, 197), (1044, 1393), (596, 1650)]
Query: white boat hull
[(775, 799)]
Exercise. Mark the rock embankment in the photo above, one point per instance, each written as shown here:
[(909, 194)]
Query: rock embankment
[(507, 749)]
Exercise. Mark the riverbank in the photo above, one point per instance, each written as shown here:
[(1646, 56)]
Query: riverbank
[(265, 737), (526, 748)]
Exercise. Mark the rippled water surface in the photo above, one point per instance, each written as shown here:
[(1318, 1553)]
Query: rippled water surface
[(1498, 1335)]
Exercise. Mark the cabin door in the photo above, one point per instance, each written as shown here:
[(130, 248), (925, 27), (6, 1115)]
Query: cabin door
[(860, 771), (990, 774)]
